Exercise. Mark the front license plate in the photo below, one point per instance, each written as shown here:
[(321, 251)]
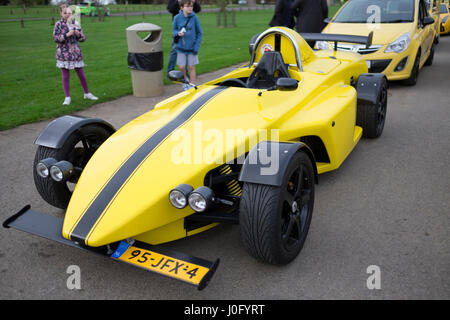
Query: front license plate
[(369, 63), (163, 264)]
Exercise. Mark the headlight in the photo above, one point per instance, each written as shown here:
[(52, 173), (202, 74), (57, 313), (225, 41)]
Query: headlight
[(43, 167), (42, 170), (445, 19), (56, 173), (201, 199), (61, 170), (322, 45), (179, 196), (399, 45)]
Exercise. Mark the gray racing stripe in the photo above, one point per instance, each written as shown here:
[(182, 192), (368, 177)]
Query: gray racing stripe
[(111, 189)]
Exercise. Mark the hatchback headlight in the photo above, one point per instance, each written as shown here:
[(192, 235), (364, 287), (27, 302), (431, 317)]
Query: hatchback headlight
[(445, 19), (399, 45)]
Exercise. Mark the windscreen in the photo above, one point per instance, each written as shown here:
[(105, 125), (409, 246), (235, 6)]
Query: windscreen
[(443, 8), (382, 11)]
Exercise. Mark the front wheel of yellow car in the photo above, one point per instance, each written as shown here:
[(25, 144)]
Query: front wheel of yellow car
[(77, 149), (412, 80), (274, 221)]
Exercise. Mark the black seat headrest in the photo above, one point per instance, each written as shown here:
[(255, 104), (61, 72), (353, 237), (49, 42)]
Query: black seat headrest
[(270, 67)]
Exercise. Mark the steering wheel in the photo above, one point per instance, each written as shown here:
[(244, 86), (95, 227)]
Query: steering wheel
[(233, 82)]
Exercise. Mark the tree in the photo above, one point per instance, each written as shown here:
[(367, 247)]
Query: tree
[(23, 3), (222, 4)]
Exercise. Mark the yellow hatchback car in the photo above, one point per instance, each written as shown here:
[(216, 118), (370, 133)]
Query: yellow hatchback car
[(433, 10), (445, 20), (403, 35)]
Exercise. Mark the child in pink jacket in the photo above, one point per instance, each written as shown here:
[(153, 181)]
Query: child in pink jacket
[(67, 34)]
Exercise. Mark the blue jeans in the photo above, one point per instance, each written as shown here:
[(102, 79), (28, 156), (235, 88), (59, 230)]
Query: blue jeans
[(172, 57)]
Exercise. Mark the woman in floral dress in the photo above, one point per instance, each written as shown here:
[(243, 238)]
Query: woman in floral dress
[(67, 34)]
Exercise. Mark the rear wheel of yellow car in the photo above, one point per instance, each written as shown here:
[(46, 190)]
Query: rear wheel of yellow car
[(371, 117), (274, 221), (412, 80), (74, 150)]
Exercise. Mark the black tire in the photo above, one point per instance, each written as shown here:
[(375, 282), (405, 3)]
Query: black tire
[(372, 116), (412, 80), (272, 228), (429, 61), (58, 193)]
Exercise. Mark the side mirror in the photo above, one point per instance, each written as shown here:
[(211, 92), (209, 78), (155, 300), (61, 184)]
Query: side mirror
[(327, 20), (176, 76), (427, 21), (287, 84)]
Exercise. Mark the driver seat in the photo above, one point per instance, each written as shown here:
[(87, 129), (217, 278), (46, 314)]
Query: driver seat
[(270, 67)]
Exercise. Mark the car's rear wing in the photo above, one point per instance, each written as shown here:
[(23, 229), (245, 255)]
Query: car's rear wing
[(339, 38)]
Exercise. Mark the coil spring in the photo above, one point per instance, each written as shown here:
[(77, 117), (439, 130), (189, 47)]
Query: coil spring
[(233, 185)]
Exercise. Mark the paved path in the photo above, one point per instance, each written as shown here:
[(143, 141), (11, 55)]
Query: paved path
[(388, 205)]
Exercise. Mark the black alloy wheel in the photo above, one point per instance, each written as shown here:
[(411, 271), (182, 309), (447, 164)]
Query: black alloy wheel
[(382, 109), (274, 221), (77, 149), (296, 209)]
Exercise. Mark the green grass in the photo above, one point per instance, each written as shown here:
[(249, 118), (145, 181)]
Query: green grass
[(30, 83)]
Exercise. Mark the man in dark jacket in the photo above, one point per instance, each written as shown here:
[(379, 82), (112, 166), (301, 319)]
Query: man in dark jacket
[(173, 6), (283, 16), (310, 15)]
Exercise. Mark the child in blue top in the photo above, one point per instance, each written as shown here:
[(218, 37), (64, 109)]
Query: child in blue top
[(187, 26)]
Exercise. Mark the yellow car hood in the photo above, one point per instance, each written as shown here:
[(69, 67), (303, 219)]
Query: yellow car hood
[(123, 191), (387, 32)]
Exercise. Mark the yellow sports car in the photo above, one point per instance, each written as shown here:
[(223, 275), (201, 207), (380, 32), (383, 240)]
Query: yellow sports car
[(403, 35), (444, 19), (245, 148)]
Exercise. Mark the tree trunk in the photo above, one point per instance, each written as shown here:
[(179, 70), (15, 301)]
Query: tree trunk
[(251, 3)]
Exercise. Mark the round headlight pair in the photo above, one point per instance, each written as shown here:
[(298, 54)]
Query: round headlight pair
[(199, 199), (59, 171), (43, 167)]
